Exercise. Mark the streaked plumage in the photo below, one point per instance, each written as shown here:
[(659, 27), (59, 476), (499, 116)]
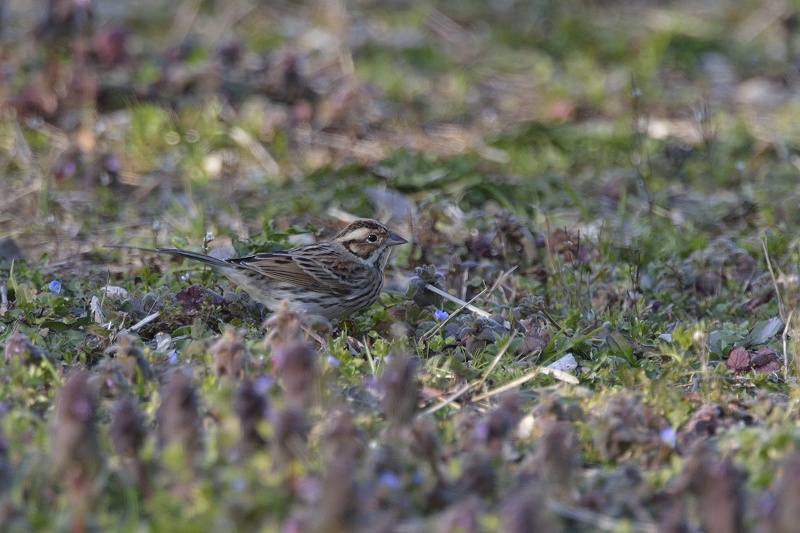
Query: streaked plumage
[(329, 279)]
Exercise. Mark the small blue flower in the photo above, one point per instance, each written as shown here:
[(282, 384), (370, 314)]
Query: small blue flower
[(173, 357), (440, 315), (239, 484), (333, 361), (481, 431), (669, 437), (69, 168), (389, 479), (55, 286), (262, 384)]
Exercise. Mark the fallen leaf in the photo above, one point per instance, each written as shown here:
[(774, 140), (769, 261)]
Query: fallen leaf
[(738, 359)]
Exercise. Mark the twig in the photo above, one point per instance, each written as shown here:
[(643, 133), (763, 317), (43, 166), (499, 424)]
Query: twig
[(598, 520), (26, 160), (450, 399), (501, 278), (784, 336), (226, 17), (144, 321), (760, 20), (558, 374), (496, 359), (3, 298), (549, 318), (476, 310), (24, 192), (344, 216), (311, 333), (184, 19), (256, 149), (772, 275), (433, 331), (464, 280), (548, 246)]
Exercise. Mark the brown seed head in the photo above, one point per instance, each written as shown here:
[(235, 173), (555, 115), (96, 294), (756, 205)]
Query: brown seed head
[(76, 454), (498, 423), (74, 433), (401, 389), (251, 408), (341, 438), (298, 373), (784, 515), (230, 355), (178, 417), (339, 502), (130, 358), (290, 435), (18, 346), (286, 327), (128, 429), (478, 475), (524, 510)]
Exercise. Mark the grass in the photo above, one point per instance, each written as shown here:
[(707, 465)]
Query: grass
[(617, 184)]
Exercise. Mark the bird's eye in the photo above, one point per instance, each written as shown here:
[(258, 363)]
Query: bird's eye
[(372, 238)]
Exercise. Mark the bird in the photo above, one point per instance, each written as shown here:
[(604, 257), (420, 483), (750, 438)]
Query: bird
[(328, 279)]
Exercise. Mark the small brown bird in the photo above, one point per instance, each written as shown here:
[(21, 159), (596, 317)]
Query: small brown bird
[(328, 279)]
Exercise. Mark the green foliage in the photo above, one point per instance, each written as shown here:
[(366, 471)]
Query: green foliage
[(651, 234), (269, 239)]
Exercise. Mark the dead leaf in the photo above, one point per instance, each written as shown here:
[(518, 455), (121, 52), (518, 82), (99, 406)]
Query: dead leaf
[(738, 360)]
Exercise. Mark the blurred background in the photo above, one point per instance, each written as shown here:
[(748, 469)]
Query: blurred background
[(133, 118)]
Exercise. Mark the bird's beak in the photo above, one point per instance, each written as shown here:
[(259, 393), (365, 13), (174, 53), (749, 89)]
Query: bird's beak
[(395, 239)]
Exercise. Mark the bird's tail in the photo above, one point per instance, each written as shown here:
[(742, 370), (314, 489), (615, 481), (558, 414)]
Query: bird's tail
[(203, 258)]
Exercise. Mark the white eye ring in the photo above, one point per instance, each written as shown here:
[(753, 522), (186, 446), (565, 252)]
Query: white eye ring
[(372, 238)]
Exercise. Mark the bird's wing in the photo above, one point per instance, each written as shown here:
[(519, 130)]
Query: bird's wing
[(307, 270)]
